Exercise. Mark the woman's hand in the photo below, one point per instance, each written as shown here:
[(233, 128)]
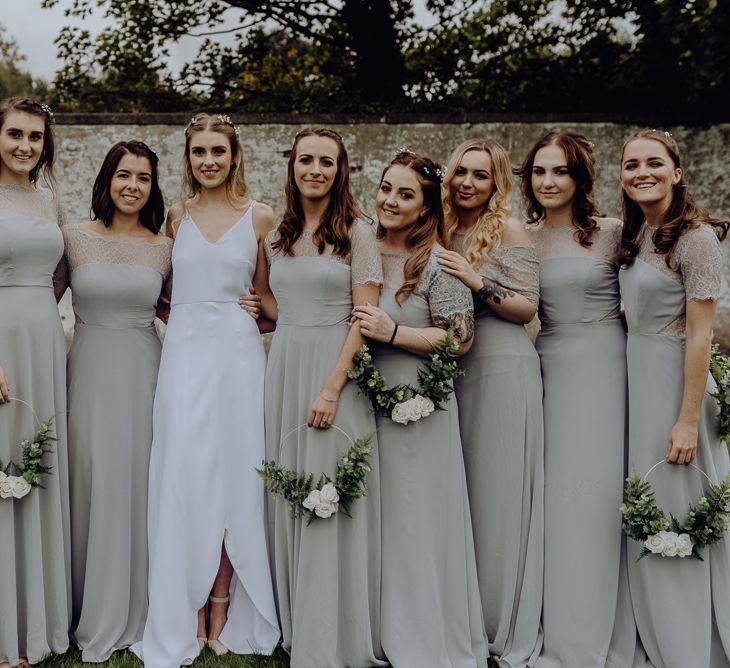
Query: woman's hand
[(375, 323), (162, 310), (4, 389), (682, 446), (323, 410), (251, 303), (455, 264)]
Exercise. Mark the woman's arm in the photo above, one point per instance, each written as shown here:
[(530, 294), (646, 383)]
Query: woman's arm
[(261, 300), (4, 387), (324, 407), (682, 444)]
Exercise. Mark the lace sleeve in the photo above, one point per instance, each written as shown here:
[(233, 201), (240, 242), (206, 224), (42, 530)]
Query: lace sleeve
[(268, 251), (365, 261), (515, 268), (699, 258), (449, 301)]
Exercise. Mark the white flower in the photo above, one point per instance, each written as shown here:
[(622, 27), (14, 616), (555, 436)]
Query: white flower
[(670, 544), (21, 488), (329, 493), (6, 487), (684, 545), (407, 411), (400, 413), (425, 405), (655, 543), (3, 475), (324, 509), (312, 500)]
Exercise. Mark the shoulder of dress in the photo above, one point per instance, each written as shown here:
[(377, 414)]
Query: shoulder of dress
[(609, 224)]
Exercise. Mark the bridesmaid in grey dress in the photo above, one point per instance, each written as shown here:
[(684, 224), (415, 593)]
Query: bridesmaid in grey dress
[(582, 348), (431, 609), (35, 579), (322, 260), (670, 283), (500, 396), (117, 263)]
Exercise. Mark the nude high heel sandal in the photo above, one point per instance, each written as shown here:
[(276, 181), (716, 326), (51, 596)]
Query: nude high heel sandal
[(216, 645)]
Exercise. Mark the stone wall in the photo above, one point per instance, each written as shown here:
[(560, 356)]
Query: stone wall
[(83, 142)]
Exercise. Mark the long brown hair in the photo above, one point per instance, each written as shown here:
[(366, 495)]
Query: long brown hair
[(430, 227), (683, 212), (340, 214), (487, 232), (237, 188), (44, 166), (578, 151)]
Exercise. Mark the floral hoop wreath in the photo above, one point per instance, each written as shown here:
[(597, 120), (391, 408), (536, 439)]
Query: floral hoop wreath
[(31, 467), (720, 370), (327, 496), (405, 403), (645, 522)]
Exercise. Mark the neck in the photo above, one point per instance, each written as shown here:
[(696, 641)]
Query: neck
[(314, 210), (467, 219), (655, 212), (126, 224), (395, 240), (13, 178), (562, 217), (214, 196)]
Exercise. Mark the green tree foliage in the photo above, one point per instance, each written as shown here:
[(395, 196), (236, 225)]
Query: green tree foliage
[(14, 80), (370, 55)]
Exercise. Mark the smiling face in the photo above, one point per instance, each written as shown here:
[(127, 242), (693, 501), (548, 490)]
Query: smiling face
[(648, 173), (21, 146), (131, 184), (399, 203), (210, 158), (551, 182), (315, 166), (472, 184)]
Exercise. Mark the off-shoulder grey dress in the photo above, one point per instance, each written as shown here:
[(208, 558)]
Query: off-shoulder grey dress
[(587, 619), (327, 573), (112, 373), (431, 609), (500, 414), (35, 577), (682, 606)]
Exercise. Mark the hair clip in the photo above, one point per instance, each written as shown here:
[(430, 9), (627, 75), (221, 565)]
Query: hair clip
[(668, 134), (47, 111), (402, 150)]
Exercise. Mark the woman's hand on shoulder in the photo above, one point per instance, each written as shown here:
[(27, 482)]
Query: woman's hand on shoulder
[(4, 388), (263, 220), (456, 264)]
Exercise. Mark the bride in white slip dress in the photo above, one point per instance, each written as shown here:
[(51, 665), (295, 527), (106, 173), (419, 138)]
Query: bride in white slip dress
[(207, 540)]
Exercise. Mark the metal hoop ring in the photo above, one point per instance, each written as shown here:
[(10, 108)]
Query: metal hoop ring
[(664, 461), (297, 428)]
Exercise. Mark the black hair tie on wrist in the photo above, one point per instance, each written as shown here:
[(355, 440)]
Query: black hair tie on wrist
[(395, 331)]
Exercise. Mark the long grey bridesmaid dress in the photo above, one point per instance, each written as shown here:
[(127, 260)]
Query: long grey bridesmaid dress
[(500, 415), (682, 606), (112, 373), (587, 621), (431, 609), (327, 574), (35, 578)]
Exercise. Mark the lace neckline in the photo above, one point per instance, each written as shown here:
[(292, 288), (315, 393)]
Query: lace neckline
[(113, 240)]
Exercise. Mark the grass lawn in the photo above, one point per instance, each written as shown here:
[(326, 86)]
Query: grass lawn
[(206, 660)]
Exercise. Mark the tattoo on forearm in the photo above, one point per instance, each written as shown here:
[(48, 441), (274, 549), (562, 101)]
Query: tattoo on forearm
[(462, 323), (493, 291)]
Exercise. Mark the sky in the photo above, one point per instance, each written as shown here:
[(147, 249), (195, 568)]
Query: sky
[(35, 29)]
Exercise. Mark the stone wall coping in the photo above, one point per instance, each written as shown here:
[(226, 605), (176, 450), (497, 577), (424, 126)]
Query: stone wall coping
[(399, 118)]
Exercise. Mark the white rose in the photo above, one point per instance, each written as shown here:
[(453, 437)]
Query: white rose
[(684, 545), (413, 409), (329, 493), (425, 405), (21, 488), (655, 543), (312, 500), (325, 509), (670, 544), (6, 487), (399, 413), (3, 475)]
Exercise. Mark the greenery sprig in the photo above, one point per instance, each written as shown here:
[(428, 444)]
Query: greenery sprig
[(326, 497), (705, 523), (404, 403), (720, 370), (28, 473)]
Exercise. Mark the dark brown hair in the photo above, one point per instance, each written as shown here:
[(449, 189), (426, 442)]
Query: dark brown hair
[(581, 164), (683, 212), (102, 206), (338, 217), (44, 166), (430, 227)]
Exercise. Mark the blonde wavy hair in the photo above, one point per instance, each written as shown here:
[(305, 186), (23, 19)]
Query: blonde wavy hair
[(486, 234), (237, 188)]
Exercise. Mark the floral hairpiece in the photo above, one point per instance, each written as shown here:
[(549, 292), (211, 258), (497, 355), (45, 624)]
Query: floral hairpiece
[(401, 150), (434, 172), (47, 111), (223, 118), (666, 133)]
